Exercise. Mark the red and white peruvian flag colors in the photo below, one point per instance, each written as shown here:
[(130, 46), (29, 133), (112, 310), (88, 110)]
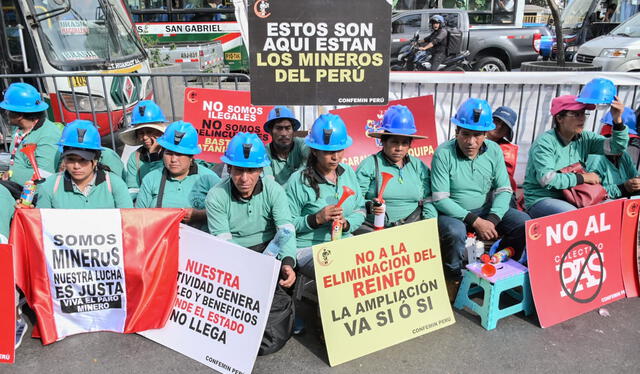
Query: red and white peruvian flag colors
[(86, 270)]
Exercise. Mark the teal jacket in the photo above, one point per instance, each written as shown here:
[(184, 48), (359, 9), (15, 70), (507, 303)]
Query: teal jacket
[(304, 204), (139, 164), (549, 154), (282, 169), (46, 136), (409, 186), (613, 175), (460, 184), (7, 203)]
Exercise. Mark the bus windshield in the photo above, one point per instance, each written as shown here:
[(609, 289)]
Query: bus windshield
[(92, 33)]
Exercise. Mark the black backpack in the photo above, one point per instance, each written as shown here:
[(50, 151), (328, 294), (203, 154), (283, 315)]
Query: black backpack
[(279, 324), (454, 41)]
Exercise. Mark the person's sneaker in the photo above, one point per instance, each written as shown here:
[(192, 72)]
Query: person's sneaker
[(21, 330), (298, 326)]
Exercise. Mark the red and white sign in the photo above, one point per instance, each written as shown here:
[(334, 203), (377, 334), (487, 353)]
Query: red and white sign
[(224, 297), (574, 261), (7, 306), (363, 119), (86, 270), (629, 247), (219, 115)]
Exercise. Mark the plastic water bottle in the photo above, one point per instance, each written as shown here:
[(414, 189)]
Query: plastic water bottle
[(279, 240)]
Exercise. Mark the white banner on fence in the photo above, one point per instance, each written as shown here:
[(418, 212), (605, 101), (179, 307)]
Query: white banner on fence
[(224, 296)]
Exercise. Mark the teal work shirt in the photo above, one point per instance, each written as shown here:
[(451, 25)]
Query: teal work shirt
[(7, 205), (282, 169), (253, 221), (176, 192), (108, 157), (139, 164), (304, 204), (102, 195), (460, 184), (409, 186), (46, 136), (549, 154), (613, 176), (201, 189)]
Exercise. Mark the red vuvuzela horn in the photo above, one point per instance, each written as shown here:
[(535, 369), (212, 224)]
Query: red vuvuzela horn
[(346, 193), (30, 151), (386, 177)]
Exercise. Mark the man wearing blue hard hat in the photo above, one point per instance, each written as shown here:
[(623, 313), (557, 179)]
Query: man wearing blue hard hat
[(287, 153), (25, 109), (471, 190), (148, 124), (172, 185), (251, 211), (85, 183), (618, 173)]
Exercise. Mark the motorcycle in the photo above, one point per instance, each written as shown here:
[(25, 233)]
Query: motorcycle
[(411, 58)]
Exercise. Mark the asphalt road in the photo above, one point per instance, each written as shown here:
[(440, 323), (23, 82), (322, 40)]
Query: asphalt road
[(589, 343)]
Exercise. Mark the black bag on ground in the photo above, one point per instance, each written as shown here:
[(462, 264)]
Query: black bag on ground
[(454, 41), (279, 324)]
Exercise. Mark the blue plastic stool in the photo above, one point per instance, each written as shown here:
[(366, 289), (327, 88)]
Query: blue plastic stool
[(490, 311)]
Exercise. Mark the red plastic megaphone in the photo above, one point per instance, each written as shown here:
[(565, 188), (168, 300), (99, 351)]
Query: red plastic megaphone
[(386, 177), (30, 151)]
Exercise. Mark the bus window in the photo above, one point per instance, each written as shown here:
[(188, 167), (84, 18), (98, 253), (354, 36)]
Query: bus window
[(11, 28), (406, 25), (415, 4), (147, 5)]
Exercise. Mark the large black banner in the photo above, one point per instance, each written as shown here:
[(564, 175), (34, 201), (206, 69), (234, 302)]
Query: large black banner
[(320, 52)]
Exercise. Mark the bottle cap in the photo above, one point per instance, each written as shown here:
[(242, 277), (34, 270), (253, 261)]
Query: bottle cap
[(488, 270)]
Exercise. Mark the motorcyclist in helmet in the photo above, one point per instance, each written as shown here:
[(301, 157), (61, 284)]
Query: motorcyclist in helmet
[(436, 42)]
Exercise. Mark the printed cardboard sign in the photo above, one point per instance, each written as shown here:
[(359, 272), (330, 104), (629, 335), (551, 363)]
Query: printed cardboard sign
[(380, 289), (574, 261), (224, 296), (7, 306), (330, 52)]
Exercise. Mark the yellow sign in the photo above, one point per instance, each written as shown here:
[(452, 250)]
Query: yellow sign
[(232, 56), (380, 289), (78, 81)]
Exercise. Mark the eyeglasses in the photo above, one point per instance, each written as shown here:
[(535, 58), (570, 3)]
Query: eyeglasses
[(571, 113)]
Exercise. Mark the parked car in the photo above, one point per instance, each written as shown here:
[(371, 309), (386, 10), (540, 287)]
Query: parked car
[(617, 51), (491, 48)]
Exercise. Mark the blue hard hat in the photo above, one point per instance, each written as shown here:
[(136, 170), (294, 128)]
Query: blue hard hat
[(81, 134), (246, 150), (180, 137), (598, 91), (278, 113), (628, 118), (437, 18), (328, 133), (397, 120), (508, 116), (147, 111), (23, 98), (474, 114)]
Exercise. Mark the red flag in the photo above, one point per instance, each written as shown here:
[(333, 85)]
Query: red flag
[(7, 306), (97, 270)]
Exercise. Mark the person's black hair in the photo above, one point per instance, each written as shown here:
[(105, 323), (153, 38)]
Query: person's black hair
[(35, 116), (308, 173), (384, 138)]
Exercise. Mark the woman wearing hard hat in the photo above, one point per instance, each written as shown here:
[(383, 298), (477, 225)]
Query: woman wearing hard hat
[(149, 124), (407, 196), (618, 172), (567, 144), (170, 186), (314, 191), (85, 183)]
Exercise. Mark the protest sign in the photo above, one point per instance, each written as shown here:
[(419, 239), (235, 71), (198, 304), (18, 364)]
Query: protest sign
[(629, 248), (7, 306), (224, 296), (86, 270), (574, 261), (330, 52), (380, 289), (218, 115), (361, 120)]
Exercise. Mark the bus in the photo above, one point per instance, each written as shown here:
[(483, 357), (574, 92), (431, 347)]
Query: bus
[(482, 13), (82, 40), (188, 22)]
